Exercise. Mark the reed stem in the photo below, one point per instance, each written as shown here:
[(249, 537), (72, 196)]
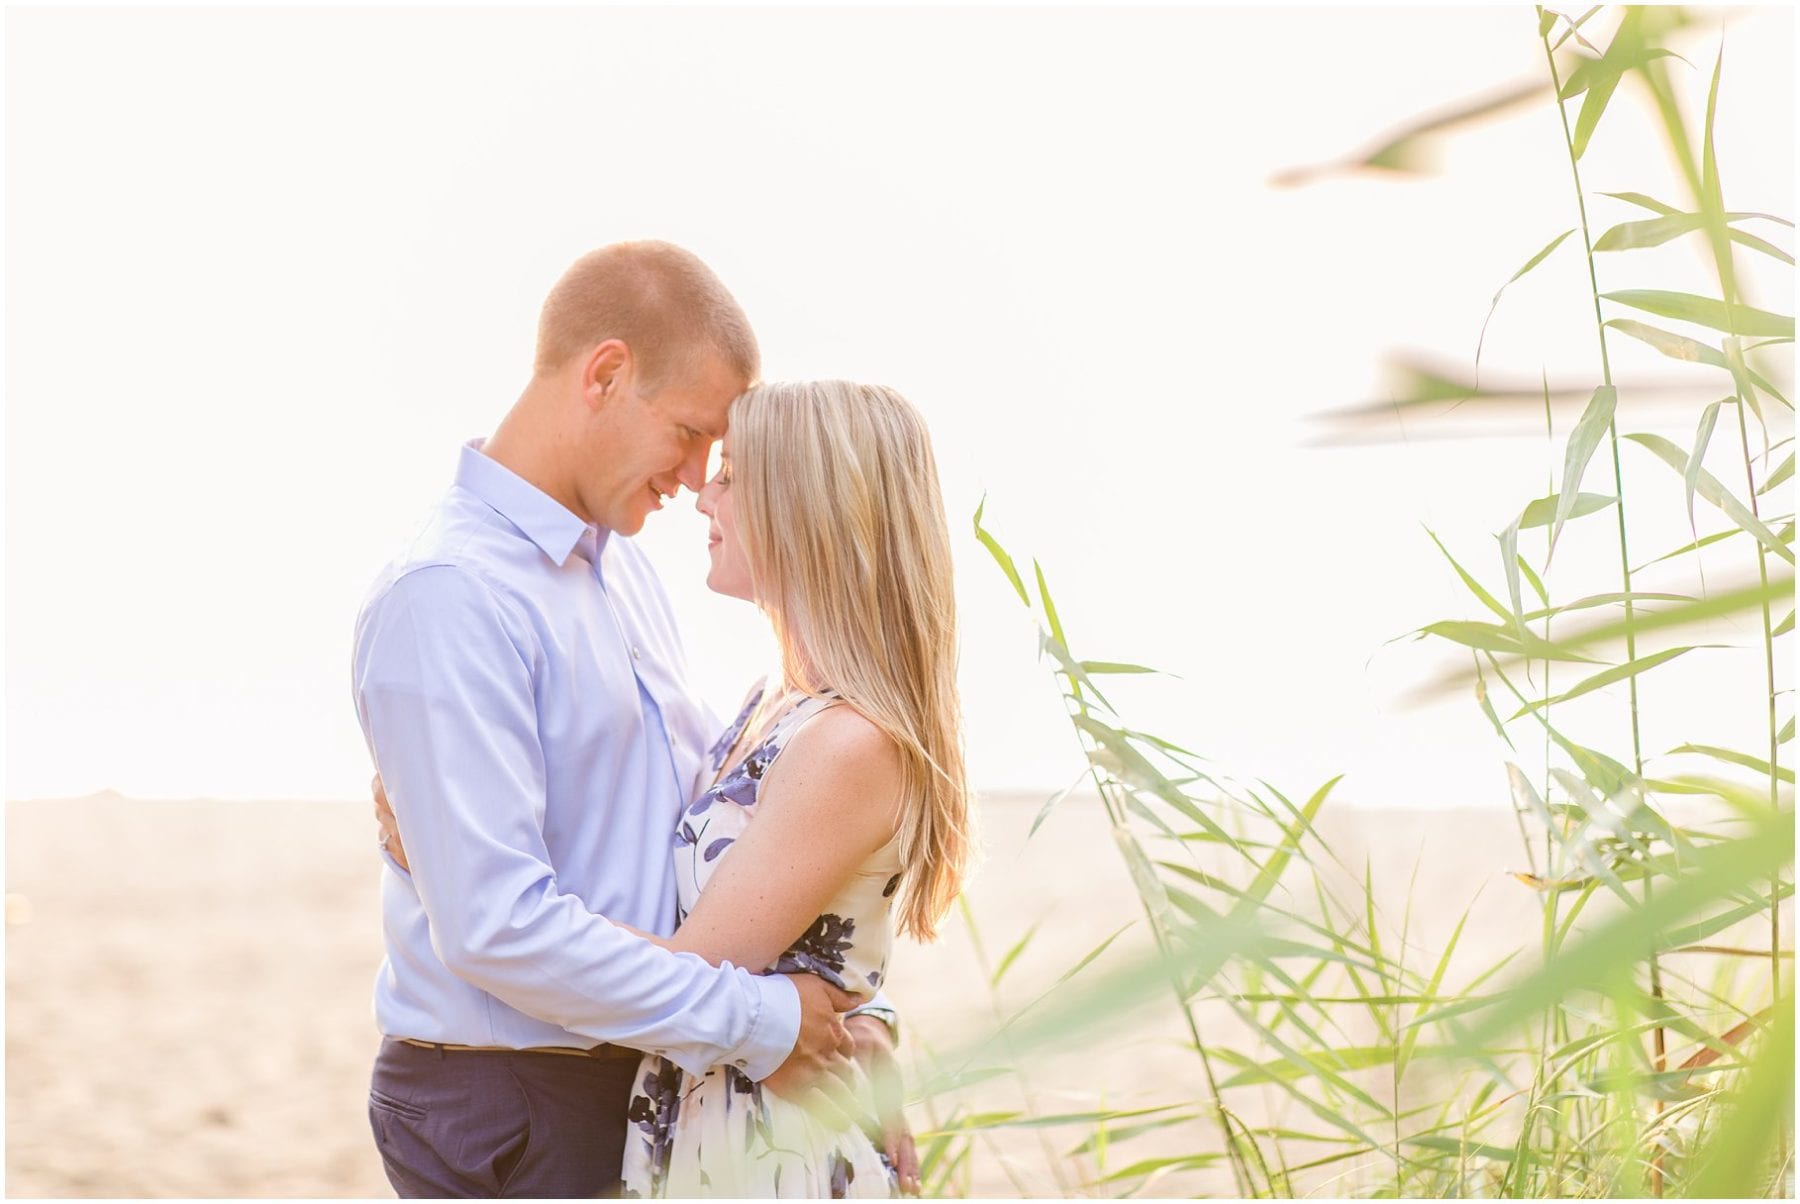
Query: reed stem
[(1659, 1037)]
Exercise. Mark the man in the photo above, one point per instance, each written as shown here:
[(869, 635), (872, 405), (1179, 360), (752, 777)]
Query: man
[(521, 687)]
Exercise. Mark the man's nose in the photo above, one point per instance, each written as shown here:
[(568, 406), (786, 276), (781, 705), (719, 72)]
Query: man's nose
[(692, 471)]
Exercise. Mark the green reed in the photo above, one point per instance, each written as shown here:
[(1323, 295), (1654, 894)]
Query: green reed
[(1356, 1062)]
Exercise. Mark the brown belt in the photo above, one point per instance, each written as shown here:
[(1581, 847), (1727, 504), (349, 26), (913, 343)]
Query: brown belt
[(602, 1053)]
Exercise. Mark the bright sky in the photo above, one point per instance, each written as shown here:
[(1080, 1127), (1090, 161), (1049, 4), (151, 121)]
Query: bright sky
[(267, 268)]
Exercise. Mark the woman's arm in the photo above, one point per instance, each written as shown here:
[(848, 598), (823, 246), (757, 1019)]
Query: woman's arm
[(830, 800)]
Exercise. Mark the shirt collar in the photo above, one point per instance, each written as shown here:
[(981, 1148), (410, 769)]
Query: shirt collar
[(546, 522)]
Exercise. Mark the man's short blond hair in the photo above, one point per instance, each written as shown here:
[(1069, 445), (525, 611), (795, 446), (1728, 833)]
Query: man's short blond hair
[(659, 300)]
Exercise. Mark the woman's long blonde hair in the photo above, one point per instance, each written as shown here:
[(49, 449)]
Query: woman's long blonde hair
[(837, 502)]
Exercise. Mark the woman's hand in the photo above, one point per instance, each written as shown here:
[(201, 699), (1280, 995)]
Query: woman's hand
[(875, 1052), (389, 838)]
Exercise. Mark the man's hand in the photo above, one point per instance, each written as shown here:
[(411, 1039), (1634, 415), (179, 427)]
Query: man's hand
[(875, 1052), (819, 1073), (390, 827)]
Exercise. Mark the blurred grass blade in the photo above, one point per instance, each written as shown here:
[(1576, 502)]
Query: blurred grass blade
[(1738, 1159), (1582, 442), (1012, 955), (1099, 667), (1705, 311), (1407, 148), (1088, 957)]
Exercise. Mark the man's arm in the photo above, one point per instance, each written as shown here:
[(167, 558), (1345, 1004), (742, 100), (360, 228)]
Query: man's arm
[(444, 691)]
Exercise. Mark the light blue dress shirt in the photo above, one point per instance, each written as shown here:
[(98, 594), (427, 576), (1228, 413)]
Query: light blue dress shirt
[(522, 689)]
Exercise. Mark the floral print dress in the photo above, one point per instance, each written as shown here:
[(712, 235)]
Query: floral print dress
[(719, 1134)]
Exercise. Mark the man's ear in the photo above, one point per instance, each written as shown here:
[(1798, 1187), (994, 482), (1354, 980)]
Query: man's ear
[(607, 373)]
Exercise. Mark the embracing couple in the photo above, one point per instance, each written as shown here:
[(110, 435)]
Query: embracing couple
[(621, 938)]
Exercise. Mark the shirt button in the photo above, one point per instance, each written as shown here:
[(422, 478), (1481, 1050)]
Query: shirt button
[(637, 654), (742, 1065)]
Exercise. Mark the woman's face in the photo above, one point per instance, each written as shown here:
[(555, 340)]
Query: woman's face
[(730, 573)]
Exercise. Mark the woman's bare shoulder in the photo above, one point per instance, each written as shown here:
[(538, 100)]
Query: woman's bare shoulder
[(841, 760)]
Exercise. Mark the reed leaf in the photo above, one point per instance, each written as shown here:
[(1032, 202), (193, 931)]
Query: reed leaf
[(1702, 435), (999, 554), (1410, 1039), (1608, 677), (1495, 304), (1675, 346), (1277, 862), (1705, 311), (1096, 668), (1654, 232), (1734, 758), (1491, 638), (1542, 512), (1582, 442), (1783, 472), (1051, 803), (1618, 944), (1709, 488), (1487, 706), (1475, 587), (1636, 597), (1072, 671)]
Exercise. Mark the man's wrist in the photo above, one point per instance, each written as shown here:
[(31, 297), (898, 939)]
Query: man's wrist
[(775, 1029)]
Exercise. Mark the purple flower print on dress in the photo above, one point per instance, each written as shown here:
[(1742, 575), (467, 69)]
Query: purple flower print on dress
[(820, 950), (740, 784)]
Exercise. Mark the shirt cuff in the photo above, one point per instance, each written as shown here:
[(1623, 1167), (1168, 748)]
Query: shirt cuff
[(775, 1029)]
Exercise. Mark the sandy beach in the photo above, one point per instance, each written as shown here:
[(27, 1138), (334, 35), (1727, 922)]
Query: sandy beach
[(187, 984)]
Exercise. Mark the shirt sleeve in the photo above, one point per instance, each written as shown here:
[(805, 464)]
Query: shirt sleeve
[(444, 689)]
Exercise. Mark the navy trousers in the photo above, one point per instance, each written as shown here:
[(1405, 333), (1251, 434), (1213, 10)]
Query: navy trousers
[(466, 1123)]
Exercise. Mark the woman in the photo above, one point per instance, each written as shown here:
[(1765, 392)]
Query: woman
[(826, 513)]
